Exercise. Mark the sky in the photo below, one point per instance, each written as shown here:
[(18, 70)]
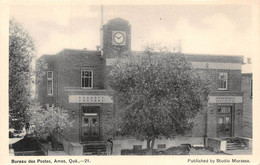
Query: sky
[(203, 29)]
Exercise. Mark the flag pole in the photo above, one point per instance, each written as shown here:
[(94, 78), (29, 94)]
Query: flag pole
[(101, 31)]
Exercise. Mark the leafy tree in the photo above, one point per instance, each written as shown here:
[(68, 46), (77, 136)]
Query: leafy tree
[(47, 120), (159, 94), (40, 70), (21, 53)]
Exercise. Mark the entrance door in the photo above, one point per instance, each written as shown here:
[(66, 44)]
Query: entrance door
[(90, 128), (90, 124), (224, 124)]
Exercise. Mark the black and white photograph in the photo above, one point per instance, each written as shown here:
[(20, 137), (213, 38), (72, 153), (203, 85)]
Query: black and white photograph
[(135, 80)]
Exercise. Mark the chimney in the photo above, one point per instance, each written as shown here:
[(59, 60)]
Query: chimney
[(98, 47)]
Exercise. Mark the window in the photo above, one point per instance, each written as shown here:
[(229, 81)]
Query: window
[(224, 109), (223, 81), (50, 82), (90, 109), (161, 146), (86, 79)]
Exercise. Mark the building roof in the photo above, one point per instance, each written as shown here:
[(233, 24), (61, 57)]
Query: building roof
[(247, 68), (46, 56), (79, 51), (214, 58), (117, 21), (190, 57), (67, 51), (208, 57)]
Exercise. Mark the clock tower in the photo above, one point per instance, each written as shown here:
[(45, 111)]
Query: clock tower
[(116, 37)]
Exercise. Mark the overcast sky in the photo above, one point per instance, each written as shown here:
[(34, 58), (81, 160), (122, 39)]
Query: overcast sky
[(204, 29)]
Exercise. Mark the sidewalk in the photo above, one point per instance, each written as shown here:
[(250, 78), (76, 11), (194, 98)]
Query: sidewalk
[(239, 152), (54, 153), (11, 152), (14, 140), (228, 152), (203, 151)]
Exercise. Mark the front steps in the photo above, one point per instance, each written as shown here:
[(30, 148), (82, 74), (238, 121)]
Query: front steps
[(235, 143), (94, 148)]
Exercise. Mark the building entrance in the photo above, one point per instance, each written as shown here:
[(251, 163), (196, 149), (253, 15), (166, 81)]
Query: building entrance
[(90, 127), (224, 121)]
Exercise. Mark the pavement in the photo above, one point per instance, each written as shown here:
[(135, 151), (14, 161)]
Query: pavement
[(203, 151), (54, 153), (11, 152), (59, 153), (193, 151), (14, 140), (239, 152)]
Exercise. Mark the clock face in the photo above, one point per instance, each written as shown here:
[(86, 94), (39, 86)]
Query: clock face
[(119, 37)]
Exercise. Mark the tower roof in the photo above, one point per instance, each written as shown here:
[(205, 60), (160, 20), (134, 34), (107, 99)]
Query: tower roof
[(117, 21)]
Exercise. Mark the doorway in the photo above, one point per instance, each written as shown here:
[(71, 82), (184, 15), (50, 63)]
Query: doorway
[(224, 121), (90, 127)]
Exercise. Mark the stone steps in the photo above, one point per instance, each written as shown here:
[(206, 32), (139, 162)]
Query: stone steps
[(235, 144), (94, 148)]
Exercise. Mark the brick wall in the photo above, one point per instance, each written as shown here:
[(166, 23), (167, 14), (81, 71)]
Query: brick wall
[(212, 121), (238, 115), (206, 124), (247, 106), (236, 120), (70, 66)]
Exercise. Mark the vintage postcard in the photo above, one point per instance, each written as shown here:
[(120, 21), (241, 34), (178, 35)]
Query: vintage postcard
[(129, 83)]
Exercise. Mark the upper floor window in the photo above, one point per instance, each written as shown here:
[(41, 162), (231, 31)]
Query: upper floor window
[(223, 81), (50, 82), (86, 79)]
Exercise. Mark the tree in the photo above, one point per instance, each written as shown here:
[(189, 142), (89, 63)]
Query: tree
[(21, 53), (159, 94), (40, 69), (47, 120)]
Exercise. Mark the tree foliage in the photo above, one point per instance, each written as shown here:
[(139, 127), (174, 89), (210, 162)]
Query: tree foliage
[(21, 53), (49, 119), (161, 93), (40, 70)]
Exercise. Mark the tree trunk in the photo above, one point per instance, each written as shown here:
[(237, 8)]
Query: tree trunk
[(148, 144), (151, 145)]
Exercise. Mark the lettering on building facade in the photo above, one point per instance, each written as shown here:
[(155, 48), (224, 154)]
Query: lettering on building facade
[(225, 99), (90, 99)]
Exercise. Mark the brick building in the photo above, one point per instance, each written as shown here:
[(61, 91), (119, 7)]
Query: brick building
[(77, 81), (247, 88)]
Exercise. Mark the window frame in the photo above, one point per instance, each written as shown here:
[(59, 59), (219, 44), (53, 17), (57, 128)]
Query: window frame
[(86, 77), (50, 79), (219, 81)]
